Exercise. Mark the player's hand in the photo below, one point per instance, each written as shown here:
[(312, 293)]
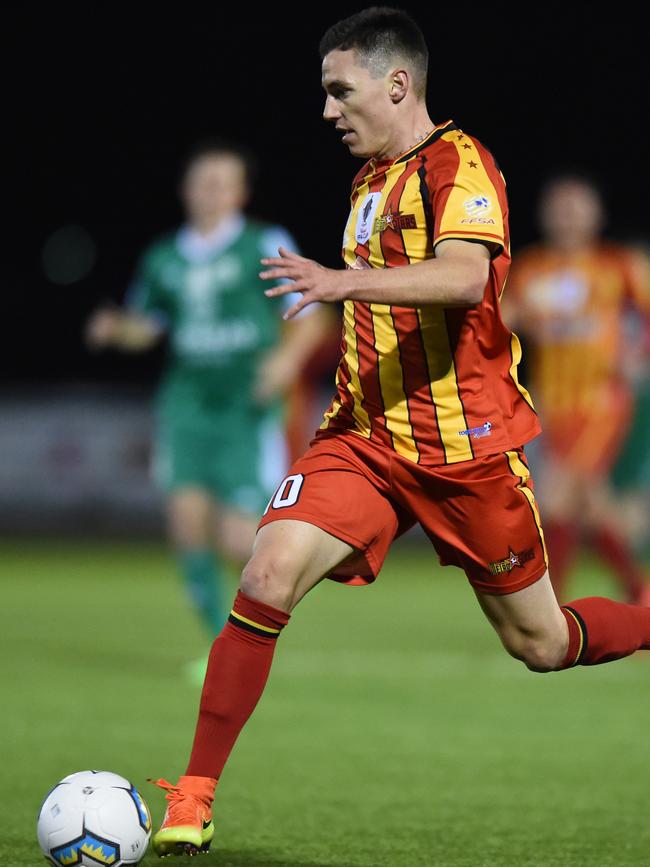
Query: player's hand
[(316, 282), (102, 328), (274, 376)]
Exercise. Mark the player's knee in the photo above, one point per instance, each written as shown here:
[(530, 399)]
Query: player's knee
[(270, 579), (540, 654)]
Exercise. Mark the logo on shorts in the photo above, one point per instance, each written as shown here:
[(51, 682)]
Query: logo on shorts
[(477, 433), (513, 559)]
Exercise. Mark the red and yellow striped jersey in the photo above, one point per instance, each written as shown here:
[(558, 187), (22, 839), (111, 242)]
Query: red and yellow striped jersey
[(438, 385), (570, 306)]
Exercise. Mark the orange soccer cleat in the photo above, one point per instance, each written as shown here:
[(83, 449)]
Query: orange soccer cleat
[(187, 827)]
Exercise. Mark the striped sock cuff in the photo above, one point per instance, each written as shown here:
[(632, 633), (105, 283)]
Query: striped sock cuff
[(257, 617), (577, 637)]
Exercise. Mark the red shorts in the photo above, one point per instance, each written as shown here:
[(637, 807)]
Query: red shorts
[(589, 441), (480, 515)]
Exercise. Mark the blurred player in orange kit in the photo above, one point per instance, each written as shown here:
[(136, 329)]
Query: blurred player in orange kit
[(568, 297), (428, 419)]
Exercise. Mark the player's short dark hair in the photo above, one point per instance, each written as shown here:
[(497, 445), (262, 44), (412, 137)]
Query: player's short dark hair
[(379, 34), (218, 146), (570, 175)]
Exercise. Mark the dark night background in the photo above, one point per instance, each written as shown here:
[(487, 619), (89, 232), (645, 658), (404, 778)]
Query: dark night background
[(102, 105)]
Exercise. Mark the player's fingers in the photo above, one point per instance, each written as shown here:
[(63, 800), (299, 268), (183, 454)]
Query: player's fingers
[(284, 289), (298, 306), (289, 254), (276, 273)]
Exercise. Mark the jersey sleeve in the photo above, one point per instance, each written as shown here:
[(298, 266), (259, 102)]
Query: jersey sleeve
[(273, 238), (145, 294), (636, 270), (468, 194)]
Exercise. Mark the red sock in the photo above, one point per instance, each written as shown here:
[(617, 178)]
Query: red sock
[(561, 542), (601, 630), (616, 552), (238, 668)]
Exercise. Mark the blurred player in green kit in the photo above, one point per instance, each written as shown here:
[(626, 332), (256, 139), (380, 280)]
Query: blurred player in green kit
[(219, 444)]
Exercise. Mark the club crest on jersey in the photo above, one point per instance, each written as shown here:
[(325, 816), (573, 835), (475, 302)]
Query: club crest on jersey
[(513, 559), (365, 217), (394, 221)]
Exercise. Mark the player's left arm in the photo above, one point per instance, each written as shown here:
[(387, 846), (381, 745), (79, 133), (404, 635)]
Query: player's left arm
[(455, 277), (300, 339)]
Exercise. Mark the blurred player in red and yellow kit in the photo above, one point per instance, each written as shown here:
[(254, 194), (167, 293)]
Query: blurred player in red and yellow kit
[(428, 421), (568, 296)]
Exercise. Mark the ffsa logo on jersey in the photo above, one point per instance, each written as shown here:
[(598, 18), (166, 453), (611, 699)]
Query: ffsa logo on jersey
[(477, 208)]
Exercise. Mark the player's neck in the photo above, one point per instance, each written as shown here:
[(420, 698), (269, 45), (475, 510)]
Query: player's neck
[(408, 135), (568, 246), (206, 225)]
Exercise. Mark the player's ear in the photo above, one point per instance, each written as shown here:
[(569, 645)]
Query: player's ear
[(399, 85)]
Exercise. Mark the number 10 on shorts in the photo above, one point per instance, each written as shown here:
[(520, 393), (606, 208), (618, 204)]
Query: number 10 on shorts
[(288, 492)]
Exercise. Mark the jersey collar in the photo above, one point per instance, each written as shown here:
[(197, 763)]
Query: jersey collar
[(197, 247), (436, 133)]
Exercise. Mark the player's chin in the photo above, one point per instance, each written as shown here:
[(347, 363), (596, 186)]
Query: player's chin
[(358, 150)]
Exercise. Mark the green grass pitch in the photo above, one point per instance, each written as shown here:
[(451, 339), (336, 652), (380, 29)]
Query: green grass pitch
[(394, 730)]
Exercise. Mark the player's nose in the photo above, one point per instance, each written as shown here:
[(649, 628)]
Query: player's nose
[(330, 111)]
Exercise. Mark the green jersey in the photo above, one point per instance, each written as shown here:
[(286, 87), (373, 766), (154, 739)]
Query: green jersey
[(208, 294)]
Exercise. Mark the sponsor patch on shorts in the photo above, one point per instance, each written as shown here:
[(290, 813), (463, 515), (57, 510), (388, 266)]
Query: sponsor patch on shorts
[(498, 567)]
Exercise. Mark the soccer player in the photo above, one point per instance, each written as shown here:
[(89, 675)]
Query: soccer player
[(428, 420), (569, 296), (219, 441)]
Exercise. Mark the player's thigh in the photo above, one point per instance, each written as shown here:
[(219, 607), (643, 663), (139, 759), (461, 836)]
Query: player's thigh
[(235, 533), (289, 558), (333, 506), (482, 516), (190, 517), (530, 623)]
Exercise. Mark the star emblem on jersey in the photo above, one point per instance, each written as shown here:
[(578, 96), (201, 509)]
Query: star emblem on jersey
[(394, 221), (509, 562), (472, 164)]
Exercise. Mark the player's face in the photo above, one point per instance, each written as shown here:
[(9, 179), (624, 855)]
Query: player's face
[(357, 104), (571, 214), (214, 185)]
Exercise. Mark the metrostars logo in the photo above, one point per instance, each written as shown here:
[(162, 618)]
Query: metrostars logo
[(513, 559), (394, 221)]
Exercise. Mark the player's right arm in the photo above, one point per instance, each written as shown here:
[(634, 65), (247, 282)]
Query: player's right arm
[(142, 321), (110, 328)]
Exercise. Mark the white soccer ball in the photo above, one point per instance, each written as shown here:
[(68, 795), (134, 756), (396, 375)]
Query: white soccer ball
[(92, 818)]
